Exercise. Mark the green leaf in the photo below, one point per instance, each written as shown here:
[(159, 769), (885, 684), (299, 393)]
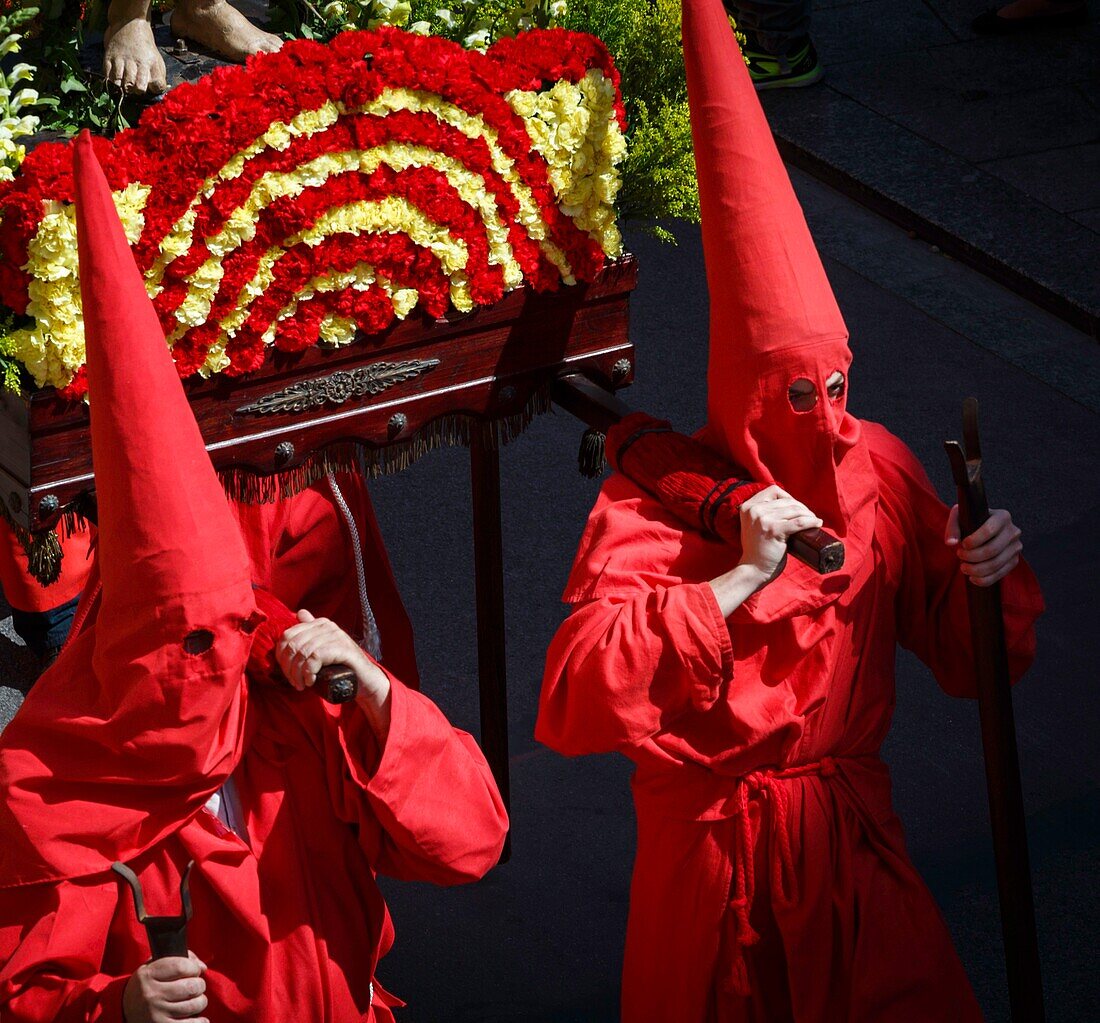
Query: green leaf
[(73, 85)]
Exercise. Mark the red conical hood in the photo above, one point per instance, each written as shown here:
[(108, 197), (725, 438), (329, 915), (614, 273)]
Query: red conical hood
[(165, 529), (773, 316), (768, 289), (142, 716)]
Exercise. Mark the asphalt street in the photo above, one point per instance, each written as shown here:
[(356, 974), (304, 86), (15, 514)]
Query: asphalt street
[(540, 940)]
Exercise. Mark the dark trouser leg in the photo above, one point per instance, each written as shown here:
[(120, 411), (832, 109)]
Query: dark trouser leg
[(44, 632), (778, 27)]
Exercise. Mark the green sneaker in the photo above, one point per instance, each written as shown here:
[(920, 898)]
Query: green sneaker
[(769, 71)]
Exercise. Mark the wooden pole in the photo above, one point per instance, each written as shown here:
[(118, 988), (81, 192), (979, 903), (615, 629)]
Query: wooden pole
[(489, 587), (1002, 764)]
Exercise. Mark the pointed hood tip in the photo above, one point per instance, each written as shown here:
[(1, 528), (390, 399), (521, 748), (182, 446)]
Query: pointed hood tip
[(751, 216), (164, 526)]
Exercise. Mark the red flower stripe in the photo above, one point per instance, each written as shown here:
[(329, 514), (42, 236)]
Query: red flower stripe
[(186, 139), (415, 268), (360, 132), (425, 188), (371, 310)]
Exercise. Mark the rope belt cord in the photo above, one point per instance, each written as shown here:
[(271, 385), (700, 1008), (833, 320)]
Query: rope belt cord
[(783, 880), (371, 640)]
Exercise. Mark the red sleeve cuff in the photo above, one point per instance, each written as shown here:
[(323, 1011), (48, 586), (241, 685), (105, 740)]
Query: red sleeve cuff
[(715, 651), (109, 1003), (386, 778)]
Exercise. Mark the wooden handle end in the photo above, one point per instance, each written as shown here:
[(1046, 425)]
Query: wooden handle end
[(817, 548), (337, 683)]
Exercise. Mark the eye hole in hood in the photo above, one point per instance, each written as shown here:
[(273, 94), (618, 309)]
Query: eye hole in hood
[(802, 393)]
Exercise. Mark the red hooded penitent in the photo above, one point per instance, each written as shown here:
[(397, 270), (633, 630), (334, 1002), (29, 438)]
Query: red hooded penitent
[(150, 709), (771, 880)]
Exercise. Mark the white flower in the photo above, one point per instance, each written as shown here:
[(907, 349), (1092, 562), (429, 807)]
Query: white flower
[(558, 8), (477, 40), (335, 11), (421, 28), (392, 12), (445, 17), (25, 98), (20, 73)]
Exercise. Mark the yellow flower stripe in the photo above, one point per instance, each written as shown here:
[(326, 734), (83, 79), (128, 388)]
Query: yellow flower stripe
[(53, 348), (572, 126), (391, 215), (204, 283), (339, 331), (359, 278)]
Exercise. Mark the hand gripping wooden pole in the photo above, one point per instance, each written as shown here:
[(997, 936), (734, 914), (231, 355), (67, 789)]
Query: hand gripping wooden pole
[(337, 683), (601, 410), (1002, 765)]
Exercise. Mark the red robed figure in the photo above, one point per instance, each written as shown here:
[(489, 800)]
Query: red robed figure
[(150, 709), (771, 880)]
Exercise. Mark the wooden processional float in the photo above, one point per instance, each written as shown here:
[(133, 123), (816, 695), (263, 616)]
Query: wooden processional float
[(358, 252)]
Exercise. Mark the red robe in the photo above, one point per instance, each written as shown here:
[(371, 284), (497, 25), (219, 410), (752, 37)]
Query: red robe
[(771, 880), (22, 591), (292, 927)]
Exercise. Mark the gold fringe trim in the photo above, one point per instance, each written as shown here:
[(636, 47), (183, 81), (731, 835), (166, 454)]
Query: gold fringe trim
[(248, 487), (42, 547), (44, 553)]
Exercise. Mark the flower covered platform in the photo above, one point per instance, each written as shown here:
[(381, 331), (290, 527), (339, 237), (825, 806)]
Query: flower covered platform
[(357, 251)]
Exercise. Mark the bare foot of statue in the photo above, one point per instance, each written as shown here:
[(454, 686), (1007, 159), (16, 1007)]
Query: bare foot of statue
[(218, 27), (131, 60)]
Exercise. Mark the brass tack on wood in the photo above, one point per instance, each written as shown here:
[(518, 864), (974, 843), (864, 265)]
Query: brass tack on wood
[(398, 424), (284, 452)]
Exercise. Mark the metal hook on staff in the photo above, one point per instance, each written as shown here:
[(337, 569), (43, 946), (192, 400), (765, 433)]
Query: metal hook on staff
[(167, 934)]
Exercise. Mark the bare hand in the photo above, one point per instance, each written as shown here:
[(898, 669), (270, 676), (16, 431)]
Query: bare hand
[(313, 643), (991, 551), (768, 520), (166, 990)]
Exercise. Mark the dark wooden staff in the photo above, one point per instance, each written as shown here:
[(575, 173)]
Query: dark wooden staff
[(601, 410), (1002, 763)]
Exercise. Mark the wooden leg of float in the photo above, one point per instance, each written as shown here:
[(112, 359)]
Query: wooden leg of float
[(489, 581)]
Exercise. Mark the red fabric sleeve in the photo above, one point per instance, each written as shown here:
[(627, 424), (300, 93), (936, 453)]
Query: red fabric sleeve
[(620, 669), (51, 969), (301, 552), (933, 619), (25, 593), (427, 808)]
